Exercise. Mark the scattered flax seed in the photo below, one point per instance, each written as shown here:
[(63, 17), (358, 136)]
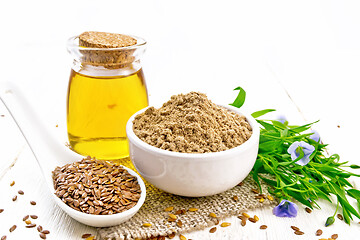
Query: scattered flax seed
[(334, 236), (86, 235), (213, 215), (256, 218), (14, 198), (193, 209), (1, 210), (339, 216), (21, 192), (3, 237), (235, 198), (12, 228), (255, 191), (217, 221), (318, 232), (261, 200), (182, 237), (295, 228), (308, 210), (270, 198), (263, 227), (179, 223), (34, 216), (169, 209), (46, 232), (32, 202), (180, 211), (171, 220), (42, 236), (90, 238), (246, 215), (252, 220), (147, 224), (212, 230), (31, 225), (243, 222), (39, 228), (28, 222), (12, 183), (171, 235), (297, 232), (225, 224), (26, 217), (172, 216), (56, 125)]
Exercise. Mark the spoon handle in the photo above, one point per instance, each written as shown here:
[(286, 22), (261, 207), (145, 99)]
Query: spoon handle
[(47, 151)]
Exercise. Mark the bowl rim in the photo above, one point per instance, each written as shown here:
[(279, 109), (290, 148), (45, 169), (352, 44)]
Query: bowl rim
[(254, 138)]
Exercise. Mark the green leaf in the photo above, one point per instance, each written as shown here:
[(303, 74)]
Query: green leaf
[(240, 99), (354, 193), (261, 112)]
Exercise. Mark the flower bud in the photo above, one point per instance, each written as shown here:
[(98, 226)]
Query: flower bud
[(329, 221)]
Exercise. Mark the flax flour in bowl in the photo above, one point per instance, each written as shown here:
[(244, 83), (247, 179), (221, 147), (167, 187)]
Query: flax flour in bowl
[(191, 123), (191, 146)]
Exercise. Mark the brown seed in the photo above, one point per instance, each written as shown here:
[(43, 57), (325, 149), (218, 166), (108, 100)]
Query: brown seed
[(172, 216), (26, 217), (334, 236), (46, 232), (14, 198), (171, 235), (213, 215), (263, 227), (318, 232), (3, 237), (256, 218), (42, 235), (27, 221), (12, 228), (252, 220), (193, 209), (225, 224), (147, 224), (235, 198), (169, 209), (243, 222), (270, 197), (339, 216), (21, 192), (12, 183), (179, 223), (308, 210), (295, 228), (182, 237), (39, 228), (246, 215), (90, 238), (31, 225), (86, 235), (212, 230), (297, 232), (32, 202), (1, 210), (33, 216), (255, 191), (261, 200)]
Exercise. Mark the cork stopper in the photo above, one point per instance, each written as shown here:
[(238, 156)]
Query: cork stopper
[(115, 57), (105, 40)]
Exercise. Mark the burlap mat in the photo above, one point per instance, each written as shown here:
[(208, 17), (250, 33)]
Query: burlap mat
[(223, 205)]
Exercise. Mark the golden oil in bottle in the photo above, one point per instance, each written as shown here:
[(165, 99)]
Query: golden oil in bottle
[(98, 108)]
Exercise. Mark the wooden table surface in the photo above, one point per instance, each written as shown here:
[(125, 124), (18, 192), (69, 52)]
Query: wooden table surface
[(299, 57)]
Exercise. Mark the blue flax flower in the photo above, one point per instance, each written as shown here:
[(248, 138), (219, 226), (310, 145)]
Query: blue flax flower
[(301, 147), (315, 136), (285, 209), (282, 119)]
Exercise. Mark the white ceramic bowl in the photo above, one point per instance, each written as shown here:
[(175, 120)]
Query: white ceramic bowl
[(194, 174)]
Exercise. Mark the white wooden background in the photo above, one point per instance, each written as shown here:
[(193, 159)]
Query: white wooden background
[(300, 57)]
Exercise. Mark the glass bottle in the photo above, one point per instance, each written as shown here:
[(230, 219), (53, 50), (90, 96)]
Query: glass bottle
[(106, 87)]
